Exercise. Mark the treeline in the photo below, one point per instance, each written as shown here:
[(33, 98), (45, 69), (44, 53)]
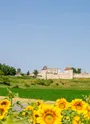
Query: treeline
[(76, 70), (7, 70)]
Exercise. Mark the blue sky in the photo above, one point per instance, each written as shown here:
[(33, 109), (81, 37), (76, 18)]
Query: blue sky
[(34, 33)]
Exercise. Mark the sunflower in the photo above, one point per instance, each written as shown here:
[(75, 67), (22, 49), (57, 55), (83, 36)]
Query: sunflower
[(29, 112), (36, 115), (2, 112), (49, 114), (78, 105), (5, 103), (29, 108), (62, 103), (76, 120), (87, 112), (39, 102)]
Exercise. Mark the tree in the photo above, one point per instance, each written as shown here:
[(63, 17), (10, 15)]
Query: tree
[(78, 70), (12, 71), (74, 70), (28, 73), (19, 70), (1, 72), (0, 66), (35, 73), (7, 70)]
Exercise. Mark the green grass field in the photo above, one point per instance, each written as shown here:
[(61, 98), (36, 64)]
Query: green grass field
[(28, 87), (47, 94)]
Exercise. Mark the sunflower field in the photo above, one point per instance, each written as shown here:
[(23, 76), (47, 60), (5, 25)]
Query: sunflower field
[(60, 112)]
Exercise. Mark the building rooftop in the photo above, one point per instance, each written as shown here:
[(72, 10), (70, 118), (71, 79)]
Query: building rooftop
[(67, 68), (45, 68)]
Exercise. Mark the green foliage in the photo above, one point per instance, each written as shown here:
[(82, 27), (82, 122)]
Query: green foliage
[(39, 82), (68, 116), (78, 70), (35, 73), (6, 81), (12, 71), (22, 74), (48, 82), (87, 98), (19, 70), (7, 70), (27, 84), (44, 82), (16, 86), (28, 73), (57, 84), (1, 72)]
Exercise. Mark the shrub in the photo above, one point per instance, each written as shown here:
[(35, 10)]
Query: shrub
[(44, 82), (32, 83), (16, 86), (1, 72), (48, 82), (57, 84), (39, 81), (6, 81), (27, 84)]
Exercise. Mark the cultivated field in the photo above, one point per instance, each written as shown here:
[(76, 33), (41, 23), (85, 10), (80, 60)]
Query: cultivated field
[(47, 94), (45, 89)]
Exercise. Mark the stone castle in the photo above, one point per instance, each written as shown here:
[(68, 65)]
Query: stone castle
[(55, 73)]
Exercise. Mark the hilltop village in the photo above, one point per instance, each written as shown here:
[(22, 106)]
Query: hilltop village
[(56, 73)]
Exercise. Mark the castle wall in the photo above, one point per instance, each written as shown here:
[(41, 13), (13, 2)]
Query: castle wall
[(55, 74), (62, 75), (52, 76), (81, 76), (66, 74), (43, 74)]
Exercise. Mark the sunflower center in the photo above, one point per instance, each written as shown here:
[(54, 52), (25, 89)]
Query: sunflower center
[(38, 103), (1, 111), (62, 106), (3, 103), (49, 118), (78, 106)]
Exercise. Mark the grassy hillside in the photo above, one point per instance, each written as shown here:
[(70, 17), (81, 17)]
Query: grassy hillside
[(27, 82)]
